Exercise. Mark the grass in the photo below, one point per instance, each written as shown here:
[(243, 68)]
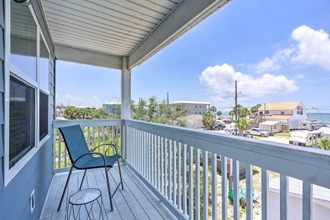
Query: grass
[(286, 135)]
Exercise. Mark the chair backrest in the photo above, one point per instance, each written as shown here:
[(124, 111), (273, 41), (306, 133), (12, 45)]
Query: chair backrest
[(75, 141)]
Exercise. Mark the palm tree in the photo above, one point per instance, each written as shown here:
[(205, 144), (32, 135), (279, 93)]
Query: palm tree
[(244, 112), (237, 109), (219, 113), (208, 120), (232, 113), (324, 144), (242, 125), (213, 110)]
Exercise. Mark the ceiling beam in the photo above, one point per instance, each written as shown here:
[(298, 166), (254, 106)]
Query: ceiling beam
[(71, 54), (185, 16)]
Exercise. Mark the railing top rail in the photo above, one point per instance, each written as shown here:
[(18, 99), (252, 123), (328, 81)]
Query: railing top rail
[(308, 164), (98, 122)]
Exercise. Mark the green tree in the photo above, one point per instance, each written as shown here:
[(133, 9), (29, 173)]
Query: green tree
[(213, 109), (219, 113), (208, 120), (71, 112), (232, 113), (152, 108), (116, 112), (140, 112), (101, 114), (244, 112), (254, 109), (242, 125), (324, 144), (237, 109)]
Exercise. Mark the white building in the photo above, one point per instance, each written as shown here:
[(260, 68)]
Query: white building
[(110, 106), (197, 108), (290, 113), (272, 126), (321, 200)]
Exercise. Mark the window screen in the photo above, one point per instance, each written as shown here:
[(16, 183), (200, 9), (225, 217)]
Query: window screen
[(21, 120), (43, 122)]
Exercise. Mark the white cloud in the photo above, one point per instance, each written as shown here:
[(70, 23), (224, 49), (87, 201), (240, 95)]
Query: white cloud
[(70, 100), (311, 47), (220, 80), (271, 64)]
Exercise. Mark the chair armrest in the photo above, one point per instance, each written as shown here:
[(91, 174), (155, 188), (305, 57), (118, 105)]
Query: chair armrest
[(111, 145), (91, 153)]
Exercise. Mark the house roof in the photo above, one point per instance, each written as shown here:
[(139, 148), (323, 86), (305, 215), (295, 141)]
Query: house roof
[(277, 117), (191, 102), (284, 106), (103, 32)]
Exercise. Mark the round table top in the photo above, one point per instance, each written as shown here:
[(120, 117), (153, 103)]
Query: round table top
[(85, 196)]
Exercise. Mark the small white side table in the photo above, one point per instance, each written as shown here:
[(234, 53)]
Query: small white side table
[(86, 204)]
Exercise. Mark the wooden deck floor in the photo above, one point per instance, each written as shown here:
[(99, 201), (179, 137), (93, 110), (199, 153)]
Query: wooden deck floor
[(134, 202)]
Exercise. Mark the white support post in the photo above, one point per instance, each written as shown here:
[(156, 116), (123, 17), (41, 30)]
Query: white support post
[(125, 104), (235, 165), (265, 192), (249, 192), (224, 184), (307, 211), (284, 192)]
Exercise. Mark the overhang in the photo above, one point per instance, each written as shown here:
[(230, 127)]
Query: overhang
[(102, 32)]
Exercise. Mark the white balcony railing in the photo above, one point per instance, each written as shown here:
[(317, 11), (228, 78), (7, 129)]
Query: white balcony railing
[(171, 161)]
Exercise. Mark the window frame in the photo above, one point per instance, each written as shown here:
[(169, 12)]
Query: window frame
[(11, 70)]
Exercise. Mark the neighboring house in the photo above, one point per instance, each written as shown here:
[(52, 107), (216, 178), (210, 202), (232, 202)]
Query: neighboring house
[(197, 108), (110, 107), (321, 200), (326, 132), (272, 126), (290, 113)]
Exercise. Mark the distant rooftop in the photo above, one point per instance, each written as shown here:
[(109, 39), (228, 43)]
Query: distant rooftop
[(191, 102), (112, 103), (281, 106)]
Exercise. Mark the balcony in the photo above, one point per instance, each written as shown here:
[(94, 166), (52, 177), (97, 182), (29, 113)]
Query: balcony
[(161, 177)]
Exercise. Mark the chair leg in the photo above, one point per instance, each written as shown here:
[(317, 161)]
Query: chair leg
[(121, 179), (65, 187), (108, 184), (82, 180)]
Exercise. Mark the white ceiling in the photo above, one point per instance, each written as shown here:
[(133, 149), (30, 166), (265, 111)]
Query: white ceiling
[(120, 28)]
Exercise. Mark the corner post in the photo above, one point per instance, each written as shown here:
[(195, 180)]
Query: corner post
[(125, 105)]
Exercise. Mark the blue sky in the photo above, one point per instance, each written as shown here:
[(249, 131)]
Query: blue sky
[(277, 51)]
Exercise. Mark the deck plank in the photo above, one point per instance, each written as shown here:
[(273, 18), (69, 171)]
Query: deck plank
[(134, 202)]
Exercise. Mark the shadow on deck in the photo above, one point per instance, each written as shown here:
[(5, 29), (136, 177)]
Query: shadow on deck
[(136, 201)]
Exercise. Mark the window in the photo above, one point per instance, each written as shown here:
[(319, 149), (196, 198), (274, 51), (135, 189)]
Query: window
[(43, 64), (43, 113), (21, 120), (195, 106), (23, 40), (282, 113), (26, 91)]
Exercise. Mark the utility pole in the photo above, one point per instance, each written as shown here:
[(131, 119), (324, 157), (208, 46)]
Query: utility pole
[(236, 107), (168, 99)]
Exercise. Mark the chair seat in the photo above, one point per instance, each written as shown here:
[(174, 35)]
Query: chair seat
[(96, 162)]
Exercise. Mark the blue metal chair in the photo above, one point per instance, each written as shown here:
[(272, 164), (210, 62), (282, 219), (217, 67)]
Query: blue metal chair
[(83, 159)]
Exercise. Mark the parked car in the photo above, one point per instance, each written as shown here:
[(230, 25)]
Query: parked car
[(259, 132), (231, 131), (218, 127)]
